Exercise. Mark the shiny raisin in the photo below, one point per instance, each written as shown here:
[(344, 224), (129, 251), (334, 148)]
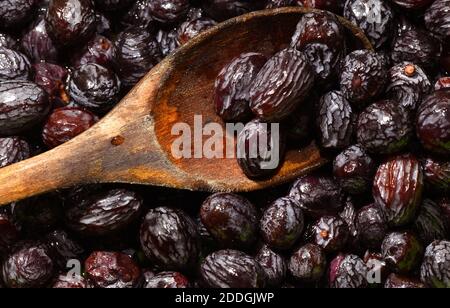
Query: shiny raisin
[(281, 84), (232, 269), (397, 189), (231, 94), (15, 13), (435, 270), (62, 248), (437, 18), (437, 174), (167, 280), (331, 233), (308, 263), (192, 28), (99, 50), (402, 251), (273, 264), (371, 226), (169, 238), (52, 78), (168, 11), (13, 150), (347, 271), (112, 270), (13, 65), (37, 43), (66, 123), (282, 223), (231, 220), (167, 41)]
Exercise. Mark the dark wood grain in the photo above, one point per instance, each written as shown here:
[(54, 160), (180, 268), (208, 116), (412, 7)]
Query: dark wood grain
[(177, 89)]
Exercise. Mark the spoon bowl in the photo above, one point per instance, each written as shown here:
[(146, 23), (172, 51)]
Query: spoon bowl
[(133, 143)]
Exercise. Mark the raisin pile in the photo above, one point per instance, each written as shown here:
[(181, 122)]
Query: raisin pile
[(377, 215)]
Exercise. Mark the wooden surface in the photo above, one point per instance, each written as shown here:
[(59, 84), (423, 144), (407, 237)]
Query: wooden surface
[(177, 89)]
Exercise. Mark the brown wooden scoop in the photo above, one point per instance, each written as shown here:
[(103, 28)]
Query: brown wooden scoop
[(132, 144)]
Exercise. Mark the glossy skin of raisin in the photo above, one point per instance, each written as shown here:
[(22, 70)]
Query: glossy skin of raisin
[(190, 29), (9, 233), (95, 87), (52, 78), (22, 105), (169, 239), (62, 248), (331, 233), (281, 84), (402, 251), (168, 11), (433, 122), (28, 266), (416, 46), (395, 281), (320, 37), (384, 128), (348, 215), (137, 52), (437, 18), (374, 17), (363, 77), (231, 219), (16, 12), (347, 271), (437, 174), (397, 189), (67, 281), (231, 90), (104, 212), (318, 195), (13, 65), (232, 269), (167, 41), (261, 149), (282, 223), (66, 123), (112, 270), (273, 264), (70, 21), (371, 226), (354, 169), (99, 50), (167, 280), (308, 263), (431, 224), (38, 45), (408, 84), (13, 150), (435, 270), (221, 10), (335, 121)]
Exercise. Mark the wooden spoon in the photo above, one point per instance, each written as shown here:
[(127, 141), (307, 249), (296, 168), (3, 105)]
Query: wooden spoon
[(132, 144)]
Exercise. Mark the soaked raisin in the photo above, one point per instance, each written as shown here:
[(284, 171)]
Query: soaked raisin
[(169, 238), (374, 17), (308, 263), (112, 270), (232, 269), (331, 233), (408, 85), (104, 212), (317, 195), (167, 280), (190, 29), (273, 264), (354, 169), (14, 13), (52, 78), (66, 123), (347, 271), (261, 148), (13, 65), (437, 174), (435, 270), (139, 15), (99, 50), (335, 121), (13, 150), (23, 104), (37, 43), (168, 11), (433, 122), (397, 189), (70, 21), (282, 223), (384, 128), (402, 251), (281, 84), (437, 18), (95, 87), (371, 226), (230, 219), (231, 94), (62, 248), (320, 37)]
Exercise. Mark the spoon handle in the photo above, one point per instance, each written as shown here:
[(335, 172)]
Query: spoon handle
[(122, 147)]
